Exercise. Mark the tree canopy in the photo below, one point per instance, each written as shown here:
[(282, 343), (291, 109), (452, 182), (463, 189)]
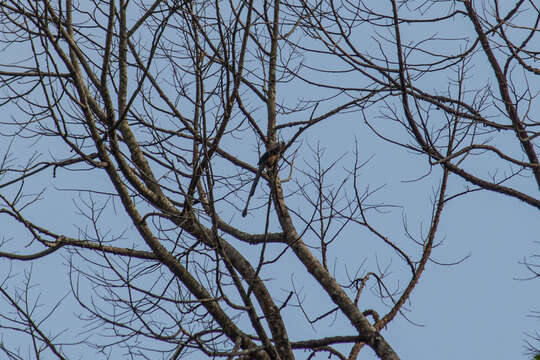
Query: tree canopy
[(132, 131)]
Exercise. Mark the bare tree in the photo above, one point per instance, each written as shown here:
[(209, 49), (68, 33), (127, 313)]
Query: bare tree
[(148, 118)]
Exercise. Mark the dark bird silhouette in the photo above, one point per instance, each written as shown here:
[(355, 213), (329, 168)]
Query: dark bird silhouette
[(267, 161)]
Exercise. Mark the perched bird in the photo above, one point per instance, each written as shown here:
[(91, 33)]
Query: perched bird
[(267, 161)]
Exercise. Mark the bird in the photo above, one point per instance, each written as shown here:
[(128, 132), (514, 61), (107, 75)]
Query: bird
[(267, 161)]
